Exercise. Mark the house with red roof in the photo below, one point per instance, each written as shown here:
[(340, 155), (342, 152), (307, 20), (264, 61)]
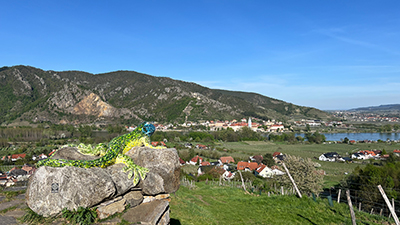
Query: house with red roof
[(276, 154), (200, 146), (158, 143), (205, 163), (264, 171), (29, 169), (226, 159), (194, 160), (16, 157), (247, 166), (256, 158), (182, 162)]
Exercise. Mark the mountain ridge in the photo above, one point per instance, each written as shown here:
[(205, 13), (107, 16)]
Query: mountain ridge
[(37, 95), (387, 107)]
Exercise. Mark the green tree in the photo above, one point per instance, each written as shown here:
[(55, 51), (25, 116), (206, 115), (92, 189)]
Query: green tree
[(308, 128), (386, 128), (246, 134), (315, 137), (268, 160), (86, 131)]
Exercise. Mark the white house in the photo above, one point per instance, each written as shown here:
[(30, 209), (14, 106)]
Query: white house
[(276, 128), (358, 156), (277, 172), (228, 175), (264, 171), (325, 158), (330, 157)]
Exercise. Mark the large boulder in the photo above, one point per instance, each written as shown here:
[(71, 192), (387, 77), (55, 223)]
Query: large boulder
[(164, 166), (51, 189)]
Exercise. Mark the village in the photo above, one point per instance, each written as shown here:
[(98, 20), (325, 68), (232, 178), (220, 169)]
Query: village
[(359, 155), (229, 167), (255, 124)]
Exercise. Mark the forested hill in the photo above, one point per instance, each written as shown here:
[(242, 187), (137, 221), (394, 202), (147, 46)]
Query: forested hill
[(31, 94)]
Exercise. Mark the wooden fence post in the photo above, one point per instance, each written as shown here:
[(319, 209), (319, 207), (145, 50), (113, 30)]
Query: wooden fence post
[(396, 219), (282, 193), (393, 207), (241, 177), (291, 179), (359, 206), (353, 216), (338, 198)]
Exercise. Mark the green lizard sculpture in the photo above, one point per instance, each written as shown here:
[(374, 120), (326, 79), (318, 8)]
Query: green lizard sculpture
[(111, 153)]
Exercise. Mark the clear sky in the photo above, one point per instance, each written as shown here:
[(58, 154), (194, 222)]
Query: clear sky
[(337, 54)]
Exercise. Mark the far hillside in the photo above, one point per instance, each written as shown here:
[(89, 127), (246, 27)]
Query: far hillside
[(127, 97)]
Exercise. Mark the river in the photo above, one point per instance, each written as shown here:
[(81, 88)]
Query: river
[(359, 136)]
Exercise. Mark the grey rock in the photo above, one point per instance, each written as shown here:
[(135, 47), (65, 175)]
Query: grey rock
[(111, 207), (72, 187), (153, 184), (133, 198), (121, 181), (162, 163), (72, 153), (155, 212)]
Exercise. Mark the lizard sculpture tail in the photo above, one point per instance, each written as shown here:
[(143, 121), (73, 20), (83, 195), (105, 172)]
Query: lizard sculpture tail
[(114, 153)]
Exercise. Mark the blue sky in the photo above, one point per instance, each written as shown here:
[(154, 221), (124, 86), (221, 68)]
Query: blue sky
[(323, 54)]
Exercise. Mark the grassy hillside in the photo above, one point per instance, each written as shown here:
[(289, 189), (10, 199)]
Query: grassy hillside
[(207, 204)]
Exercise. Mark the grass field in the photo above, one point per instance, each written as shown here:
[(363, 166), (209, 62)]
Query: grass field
[(208, 204)]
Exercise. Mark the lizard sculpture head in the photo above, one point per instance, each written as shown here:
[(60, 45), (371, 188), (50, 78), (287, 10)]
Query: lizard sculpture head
[(148, 129)]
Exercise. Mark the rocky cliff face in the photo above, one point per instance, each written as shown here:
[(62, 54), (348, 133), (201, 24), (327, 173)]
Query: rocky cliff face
[(93, 105)]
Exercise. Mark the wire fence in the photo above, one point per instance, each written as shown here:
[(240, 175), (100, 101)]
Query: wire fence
[(376, 208)]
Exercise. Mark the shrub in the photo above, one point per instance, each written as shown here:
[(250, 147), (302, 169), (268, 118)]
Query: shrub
[(307, 179)]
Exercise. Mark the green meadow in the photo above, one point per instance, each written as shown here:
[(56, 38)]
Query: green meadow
[(212, 204)]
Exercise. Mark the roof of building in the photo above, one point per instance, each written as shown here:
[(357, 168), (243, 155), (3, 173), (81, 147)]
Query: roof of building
[(244, 165), (196, 158), (17, 156), (260, 168), (205, 163), (227, 159)]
